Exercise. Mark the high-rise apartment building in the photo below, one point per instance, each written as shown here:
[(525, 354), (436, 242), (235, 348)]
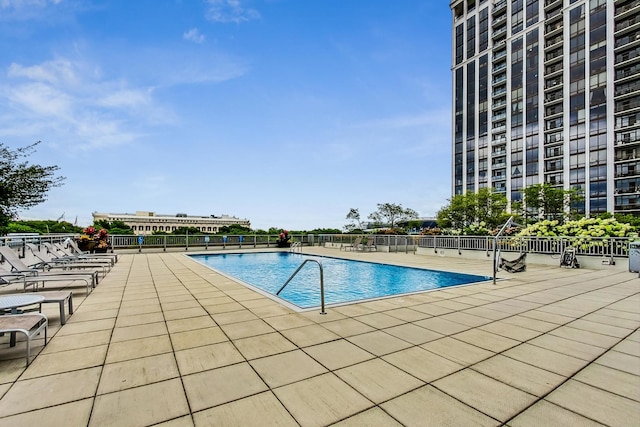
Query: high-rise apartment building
[(548, 91)]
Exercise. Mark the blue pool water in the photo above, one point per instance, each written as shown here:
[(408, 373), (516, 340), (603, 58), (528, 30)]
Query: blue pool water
[(344, 280)]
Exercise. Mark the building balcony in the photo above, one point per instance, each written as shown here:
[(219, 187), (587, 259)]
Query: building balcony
[(626, 25), (501, 78), (550, 4), (499, 7), (499, 91), (622, 12), (499, 54), (553, 15), (551, 30), (553, 56), (627, 40), (499, 32)]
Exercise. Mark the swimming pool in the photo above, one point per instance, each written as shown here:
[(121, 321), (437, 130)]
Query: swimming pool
[(344, 280)]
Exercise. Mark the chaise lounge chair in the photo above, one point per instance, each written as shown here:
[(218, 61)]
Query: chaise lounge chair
[(353, 246), (77, 252), (28, 324), (28, 276), (46, 261)]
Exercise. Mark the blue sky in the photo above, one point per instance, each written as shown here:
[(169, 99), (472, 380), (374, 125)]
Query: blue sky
[(284, 112)]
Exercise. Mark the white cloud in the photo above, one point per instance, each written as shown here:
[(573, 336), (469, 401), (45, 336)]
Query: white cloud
[(16, 4), (193, 35), (70, 100), (230, 11)]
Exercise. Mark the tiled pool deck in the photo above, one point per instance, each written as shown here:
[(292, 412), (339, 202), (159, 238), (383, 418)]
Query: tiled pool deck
[(166, 341)]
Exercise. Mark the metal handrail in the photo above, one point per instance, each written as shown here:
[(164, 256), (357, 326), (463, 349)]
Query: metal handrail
[(495, 247), (321, 281), (295, 245)]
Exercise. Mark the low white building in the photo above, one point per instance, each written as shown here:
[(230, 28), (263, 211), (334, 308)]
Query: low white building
[(144, 222)]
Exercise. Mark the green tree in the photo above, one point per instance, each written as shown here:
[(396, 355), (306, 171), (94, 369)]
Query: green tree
[(544, 201), (114, 227), (23, 185), (389, 214), (485, 206), (356, 223)]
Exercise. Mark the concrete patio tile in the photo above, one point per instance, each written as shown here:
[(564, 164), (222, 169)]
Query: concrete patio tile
[(134, 310), (207, 357), (379, 305), (613, 321), (271, 311), (180, 305), (189, 324), (568, 347), (353, 310), (4, 388), (139, 319), (528, 323), (61, 388), (233, 317), (628, 347), (413, 334), (596, 404), (486, 340), (72, 342), (64, 361), (509, 330), (465, 318), (621, 361), (197, 338), (136, 332), (374, 417), (126, 350), (184, 421), (338, 354), (428, 406), (263, 345), (407, 314), (88, 326), (73, 414), (223, 308), (309, 335), (378, 380), (546, 359), (422, 364), (520, 375), (258, 302), (338, 400), (140, 406), (239, 381), (86, 315), (586, 337), (457, 351), (329, 316), (184, 313), (214, 300), (547, 317), (544, 413), (347, 327), (600, 328), (379, 320), (473, 389), (379, 342), (453, 305), (287, 321), (613, 380), (259, 410), (431, 309), (442, 326), (137, 372), (285, 368), (487, 313), (247, 329)]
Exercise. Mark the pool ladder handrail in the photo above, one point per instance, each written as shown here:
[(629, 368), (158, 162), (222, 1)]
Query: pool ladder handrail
[(321, 281), (295, 245)]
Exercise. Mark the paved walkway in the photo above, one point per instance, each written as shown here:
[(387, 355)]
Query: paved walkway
[(165, 341)]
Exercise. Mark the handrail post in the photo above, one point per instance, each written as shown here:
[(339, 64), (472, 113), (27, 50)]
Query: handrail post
[(321, 281)]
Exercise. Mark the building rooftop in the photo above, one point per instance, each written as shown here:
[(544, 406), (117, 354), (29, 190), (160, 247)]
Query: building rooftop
[(164, 340)]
